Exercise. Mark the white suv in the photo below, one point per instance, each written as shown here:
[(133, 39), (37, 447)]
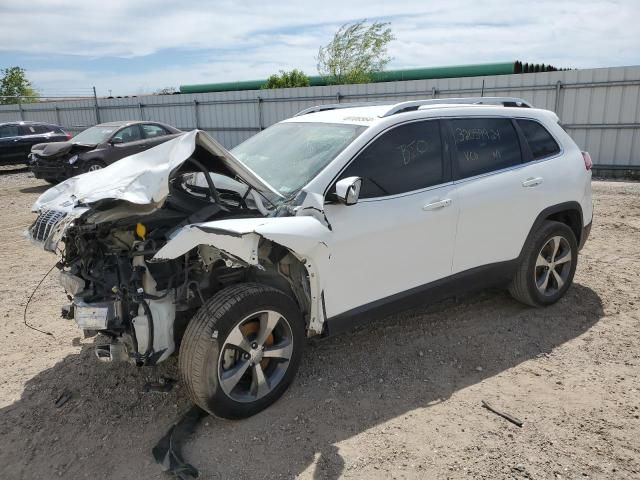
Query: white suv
[(325, 220)]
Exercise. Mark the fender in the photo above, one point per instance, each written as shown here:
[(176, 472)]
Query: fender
[(304, 236)]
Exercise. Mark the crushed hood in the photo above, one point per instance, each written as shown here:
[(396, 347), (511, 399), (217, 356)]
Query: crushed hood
[(56, 149), (143, 178)]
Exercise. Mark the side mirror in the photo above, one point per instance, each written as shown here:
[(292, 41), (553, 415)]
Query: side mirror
[(348, 190), (116, 141)]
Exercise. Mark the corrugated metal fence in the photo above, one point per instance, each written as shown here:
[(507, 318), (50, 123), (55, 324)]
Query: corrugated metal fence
[(598, 107)]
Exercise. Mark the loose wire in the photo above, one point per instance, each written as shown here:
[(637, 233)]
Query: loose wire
[(24, 318)]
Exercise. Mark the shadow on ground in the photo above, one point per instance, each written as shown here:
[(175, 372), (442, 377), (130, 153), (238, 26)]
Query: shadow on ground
[(36, 189), (346, 385)]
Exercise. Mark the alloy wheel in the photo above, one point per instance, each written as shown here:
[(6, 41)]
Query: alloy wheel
[(255, 356), (553, 266)]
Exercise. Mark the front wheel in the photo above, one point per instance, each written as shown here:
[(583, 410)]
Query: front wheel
[(548, 265), (93, 165), (241, 350)]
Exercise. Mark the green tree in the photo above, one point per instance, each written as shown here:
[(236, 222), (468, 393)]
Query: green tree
[(294, 78), (14, 83), (356, 52)]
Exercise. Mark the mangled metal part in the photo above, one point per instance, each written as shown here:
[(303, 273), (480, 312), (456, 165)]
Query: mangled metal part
[(143, 178), (304, 236)]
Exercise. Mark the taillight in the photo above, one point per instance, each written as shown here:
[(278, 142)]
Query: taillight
[(69, 136), (588, 163)]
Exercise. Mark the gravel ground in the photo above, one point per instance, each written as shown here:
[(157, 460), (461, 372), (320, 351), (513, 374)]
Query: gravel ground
[(401, 399)]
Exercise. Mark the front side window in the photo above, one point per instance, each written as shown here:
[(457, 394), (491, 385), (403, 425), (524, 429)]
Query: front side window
[(128, 134), (151, 131), (9, 131), (540, 141), (289, 155), (484, 145), (407, 158)]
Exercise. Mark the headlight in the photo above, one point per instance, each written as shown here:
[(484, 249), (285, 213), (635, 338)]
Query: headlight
[(73, 159)]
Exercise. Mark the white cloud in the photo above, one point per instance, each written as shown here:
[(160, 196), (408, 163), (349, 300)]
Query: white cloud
[(251, 39)]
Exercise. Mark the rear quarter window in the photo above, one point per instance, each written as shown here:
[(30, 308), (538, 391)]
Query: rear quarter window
[(540, 141), (483, 145), (42, 129)]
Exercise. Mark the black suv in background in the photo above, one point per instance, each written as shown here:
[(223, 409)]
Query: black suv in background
[(17, 138), (96, 147)]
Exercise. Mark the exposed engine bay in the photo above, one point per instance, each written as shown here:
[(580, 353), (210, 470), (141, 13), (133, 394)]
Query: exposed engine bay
[(110, 269)]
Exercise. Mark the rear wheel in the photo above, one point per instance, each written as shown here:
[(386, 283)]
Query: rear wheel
[(548, 266), (52, 181), (241, 350)]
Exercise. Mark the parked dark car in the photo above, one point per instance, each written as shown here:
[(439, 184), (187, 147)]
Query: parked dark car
[(96, 147), (17, 138)]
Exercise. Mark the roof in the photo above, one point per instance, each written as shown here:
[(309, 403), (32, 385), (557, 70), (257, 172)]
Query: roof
[(28, 122), (368, 114)]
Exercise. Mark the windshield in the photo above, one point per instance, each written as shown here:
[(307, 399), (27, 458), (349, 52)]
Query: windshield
[(94, 135), (288, 155)]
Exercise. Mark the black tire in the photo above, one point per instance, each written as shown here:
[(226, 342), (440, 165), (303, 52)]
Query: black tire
[(202, 347), (525, 286), (52, 181), (91, 165)]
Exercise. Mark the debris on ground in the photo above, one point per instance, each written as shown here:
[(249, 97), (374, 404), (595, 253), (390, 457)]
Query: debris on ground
[(163, 385), (63, 398), (505, 415), (168, 451)]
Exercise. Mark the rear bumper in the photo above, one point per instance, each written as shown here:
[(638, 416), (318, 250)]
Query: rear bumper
[(586, 230)]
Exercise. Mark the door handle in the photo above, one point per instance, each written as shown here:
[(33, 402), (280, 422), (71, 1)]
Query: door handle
[(438, 204), (532, 182)]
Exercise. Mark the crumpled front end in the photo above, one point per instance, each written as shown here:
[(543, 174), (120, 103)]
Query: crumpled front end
[(109, 227)]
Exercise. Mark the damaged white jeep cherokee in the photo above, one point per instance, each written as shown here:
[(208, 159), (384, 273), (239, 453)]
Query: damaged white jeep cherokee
[(321, 221)]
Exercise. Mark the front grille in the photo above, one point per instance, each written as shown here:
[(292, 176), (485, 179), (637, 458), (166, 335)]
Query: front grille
[(44, 224)]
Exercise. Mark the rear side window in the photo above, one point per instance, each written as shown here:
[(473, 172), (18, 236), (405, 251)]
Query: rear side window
[(407, 158), (484, 145), (151, 131), (540, 141), (41, 129)]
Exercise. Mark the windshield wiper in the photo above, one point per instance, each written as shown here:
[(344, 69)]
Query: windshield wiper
[(250, 187)]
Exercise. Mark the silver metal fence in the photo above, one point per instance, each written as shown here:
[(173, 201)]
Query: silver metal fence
[(600, 108)]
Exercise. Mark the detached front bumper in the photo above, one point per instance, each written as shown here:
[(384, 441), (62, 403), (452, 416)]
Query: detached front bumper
[(52, 168)]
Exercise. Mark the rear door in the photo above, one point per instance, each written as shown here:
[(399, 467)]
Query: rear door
[(400, 234), (36, 133), (499, 197)]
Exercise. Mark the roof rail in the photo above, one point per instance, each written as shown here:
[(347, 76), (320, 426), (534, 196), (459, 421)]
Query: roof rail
[(415, 104), (334, 106)]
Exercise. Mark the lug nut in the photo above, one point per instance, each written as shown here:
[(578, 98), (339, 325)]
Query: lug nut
[(254, 345), (247, 356)]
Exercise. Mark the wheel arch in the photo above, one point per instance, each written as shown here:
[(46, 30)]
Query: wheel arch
[(569, 213)]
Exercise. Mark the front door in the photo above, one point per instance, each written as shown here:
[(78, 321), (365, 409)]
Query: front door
[(400, 234), (10, 147), (132, 142)]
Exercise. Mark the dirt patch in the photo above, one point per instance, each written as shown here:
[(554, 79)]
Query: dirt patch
[(401, 399)]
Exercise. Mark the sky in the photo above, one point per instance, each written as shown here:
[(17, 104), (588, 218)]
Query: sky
[(125, 47)]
